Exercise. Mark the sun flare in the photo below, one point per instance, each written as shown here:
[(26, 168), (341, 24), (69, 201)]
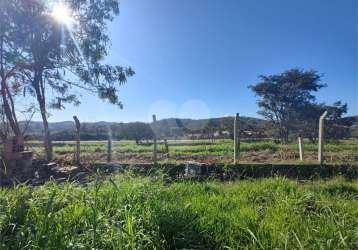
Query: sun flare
[(62, 14)]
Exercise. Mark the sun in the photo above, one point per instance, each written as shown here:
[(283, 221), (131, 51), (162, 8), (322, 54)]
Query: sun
[(62, 14)]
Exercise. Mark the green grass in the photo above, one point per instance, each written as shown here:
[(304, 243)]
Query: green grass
[(336, 152), (127, 212)]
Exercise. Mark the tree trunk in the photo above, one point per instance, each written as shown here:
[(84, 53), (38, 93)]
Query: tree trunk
[(284, 133), (7, 100), (47, 139), (286, 136), (9, 113), (78, 141), (40, 94)]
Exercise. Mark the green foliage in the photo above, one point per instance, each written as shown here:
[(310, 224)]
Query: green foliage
[(287, 101), (284, 96), (336, 127), (135, 131), (167, 128), (128, 212), (354, 132), (63, 58), (67, 56), (210, 128)]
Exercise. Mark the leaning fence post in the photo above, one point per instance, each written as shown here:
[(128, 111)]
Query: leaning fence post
[(236, 138), (166, 147), (300, 147), (109, 146), (154, 140), (321, 137), (78, 140)]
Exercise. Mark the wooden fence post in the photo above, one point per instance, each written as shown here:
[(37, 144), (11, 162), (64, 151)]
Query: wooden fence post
[(321, 137), (109, 146), (236, 138), (154, 140), (300, 147), (78, 141)]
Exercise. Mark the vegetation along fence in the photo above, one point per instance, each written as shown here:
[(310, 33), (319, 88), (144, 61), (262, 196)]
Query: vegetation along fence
[(213, 149)]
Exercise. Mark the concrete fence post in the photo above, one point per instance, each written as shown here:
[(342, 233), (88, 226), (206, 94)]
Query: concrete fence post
[(154, 140), (236, 138), (78, 140), (321, 137), (300, 147)]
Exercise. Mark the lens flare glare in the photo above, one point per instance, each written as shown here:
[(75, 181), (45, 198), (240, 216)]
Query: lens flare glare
[(62, 14)]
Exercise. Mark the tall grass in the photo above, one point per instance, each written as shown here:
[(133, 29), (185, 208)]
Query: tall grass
[(126, 212)]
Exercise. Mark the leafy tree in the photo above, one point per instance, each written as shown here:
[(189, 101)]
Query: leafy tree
[(284, 95), (335, 126), (354, 132), (227, 124), (64, 57), (137, 131), (176, 132), (9, 68), (13, 68), (210, 128), (307, 124)]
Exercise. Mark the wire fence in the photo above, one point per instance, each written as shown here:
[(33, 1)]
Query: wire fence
[(201, 150)]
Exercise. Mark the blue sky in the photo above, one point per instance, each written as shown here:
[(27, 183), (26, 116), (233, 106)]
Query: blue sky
[(195, 59)]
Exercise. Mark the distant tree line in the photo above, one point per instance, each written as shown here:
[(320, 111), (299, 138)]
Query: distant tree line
[(250, 128), (137, 131)]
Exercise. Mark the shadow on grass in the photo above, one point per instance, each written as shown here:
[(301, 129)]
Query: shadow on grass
[(341, 189), (178, 227), (239, 171)]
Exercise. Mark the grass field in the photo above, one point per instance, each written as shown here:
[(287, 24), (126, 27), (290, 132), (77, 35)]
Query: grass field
[(206, 151), (127, 212)]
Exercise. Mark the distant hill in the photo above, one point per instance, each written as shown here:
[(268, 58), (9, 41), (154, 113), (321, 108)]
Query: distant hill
[(36, 127), (165, 127), (197, 124), (169, 128)]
